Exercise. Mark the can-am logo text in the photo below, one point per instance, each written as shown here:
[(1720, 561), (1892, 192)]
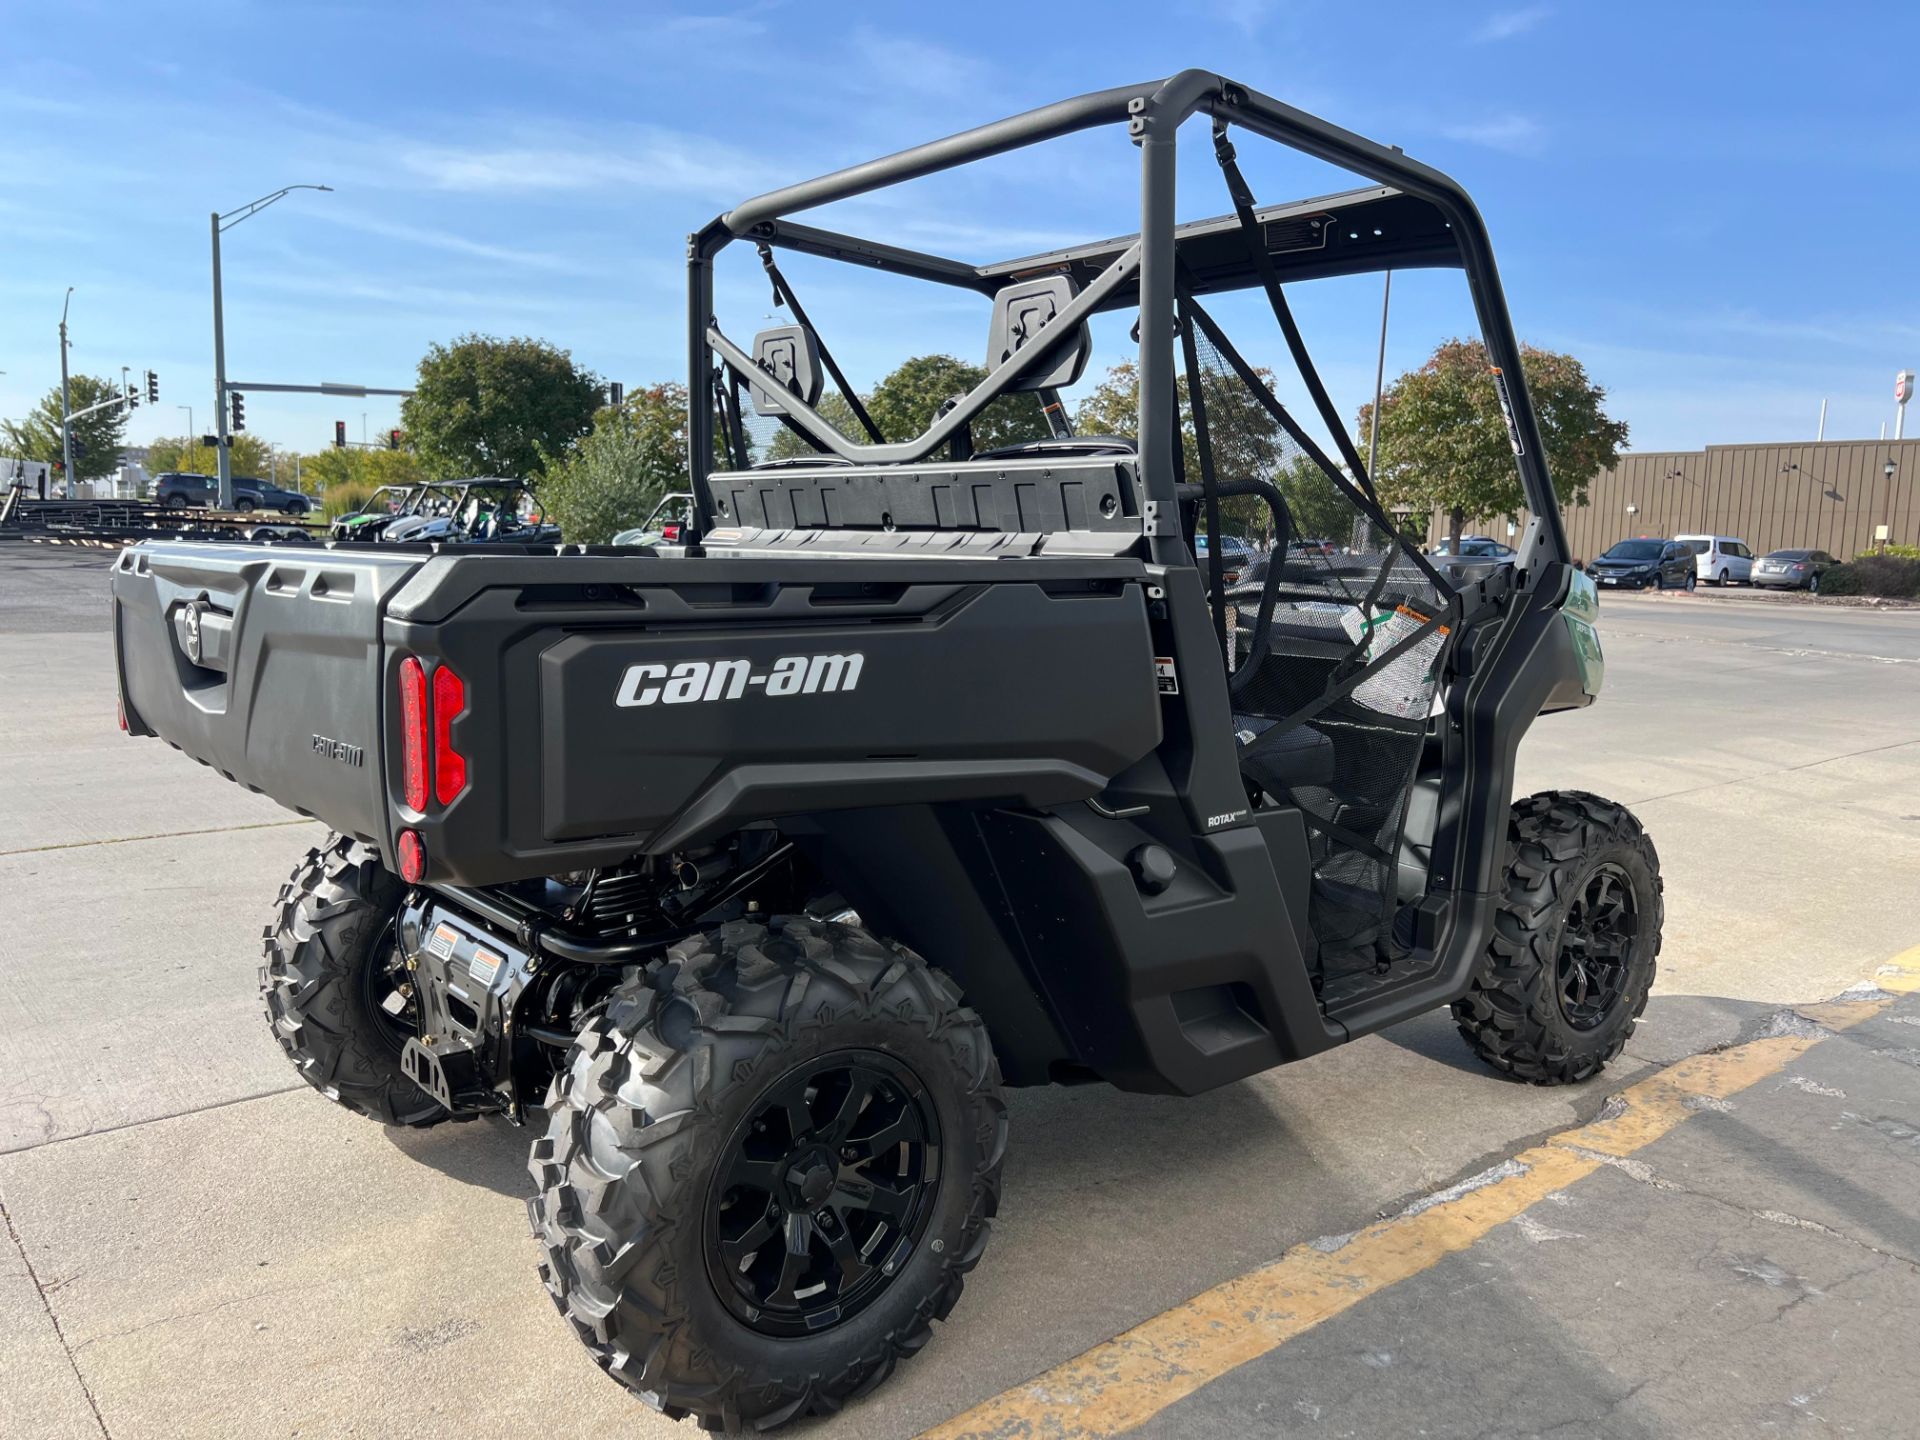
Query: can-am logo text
[(693, 680)]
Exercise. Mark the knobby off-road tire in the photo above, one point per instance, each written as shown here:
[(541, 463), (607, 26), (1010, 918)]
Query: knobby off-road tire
[(1562, 985), (326, 949), (658, 1101)]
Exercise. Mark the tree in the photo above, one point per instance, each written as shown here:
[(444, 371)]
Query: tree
[(1247, 442), (786, 445), (1444, 443), (248, 455), (98, 438), (636, 453), (904, 404), (486, 406)]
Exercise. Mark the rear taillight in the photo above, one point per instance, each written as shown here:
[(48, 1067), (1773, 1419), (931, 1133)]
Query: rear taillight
[(449, 765), (413, 857), (413, 734), (670, 532)]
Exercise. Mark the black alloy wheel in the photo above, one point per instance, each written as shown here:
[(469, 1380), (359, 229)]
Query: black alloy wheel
[(1596, 944), (829, 1188)]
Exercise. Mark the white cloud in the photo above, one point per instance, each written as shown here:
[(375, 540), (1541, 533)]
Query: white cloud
[(1515, 134), (1506, 24), (647, 159)]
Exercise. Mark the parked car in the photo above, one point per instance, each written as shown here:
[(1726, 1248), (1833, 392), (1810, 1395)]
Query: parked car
[(1792, 570), (178, 489), (1474, 547), (250, 493), (1312, 546), (1719, 559), (1636, 564), (1235, 553)]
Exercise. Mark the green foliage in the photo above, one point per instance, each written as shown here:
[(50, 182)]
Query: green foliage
[(248, 455), (102, 434), (1892, 577), (335, 473), (1247, 443), (904, 404), (1898, 551), (486, 406), (787, 445), (346, 497), (1444, 443), (635, 454)]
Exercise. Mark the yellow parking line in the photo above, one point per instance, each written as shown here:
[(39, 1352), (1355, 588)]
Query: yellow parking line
[(1125, 1381)]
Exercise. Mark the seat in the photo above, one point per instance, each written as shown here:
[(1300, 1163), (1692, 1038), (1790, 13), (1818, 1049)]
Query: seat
[(1302, 756)]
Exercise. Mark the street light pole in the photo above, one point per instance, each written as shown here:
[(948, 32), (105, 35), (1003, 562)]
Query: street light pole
[(227, 222), (66, 404), (224, 499), (189, 410)]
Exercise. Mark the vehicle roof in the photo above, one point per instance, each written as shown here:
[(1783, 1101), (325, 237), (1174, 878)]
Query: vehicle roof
[(1735, 538)]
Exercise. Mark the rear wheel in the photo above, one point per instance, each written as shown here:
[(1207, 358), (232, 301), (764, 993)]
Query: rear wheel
[(1575, 942), (1813, 584), (768, 1168), (1725, 580), (335, 984), (176, 502), (1692, 580), (242, 504)]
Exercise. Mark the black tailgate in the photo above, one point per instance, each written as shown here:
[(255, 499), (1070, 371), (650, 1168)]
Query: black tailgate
[(264, 663)]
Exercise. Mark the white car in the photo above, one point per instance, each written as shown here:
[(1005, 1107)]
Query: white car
[(1720, 559)]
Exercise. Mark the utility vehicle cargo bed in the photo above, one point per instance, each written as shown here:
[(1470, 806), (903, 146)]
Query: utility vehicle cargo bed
[(608, 704)]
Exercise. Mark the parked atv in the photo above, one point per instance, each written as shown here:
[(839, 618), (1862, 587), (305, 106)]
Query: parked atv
[(475, 512), (749, 872), (386, 505)]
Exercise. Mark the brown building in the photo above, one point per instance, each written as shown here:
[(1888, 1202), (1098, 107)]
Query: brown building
[(1829, 496)]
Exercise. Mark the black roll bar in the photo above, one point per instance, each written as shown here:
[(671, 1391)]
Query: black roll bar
[(1152, 113)]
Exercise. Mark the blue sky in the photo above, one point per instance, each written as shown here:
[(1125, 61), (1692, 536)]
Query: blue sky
[(1713, 205)]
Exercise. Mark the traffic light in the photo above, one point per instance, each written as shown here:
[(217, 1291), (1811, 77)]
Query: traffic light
[(133, 397), (339, 434), (153, 387), (239, 420), (79, 448), (393, 439)]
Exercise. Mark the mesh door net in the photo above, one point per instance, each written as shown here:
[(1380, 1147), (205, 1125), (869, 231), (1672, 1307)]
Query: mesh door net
[(1352, 650)]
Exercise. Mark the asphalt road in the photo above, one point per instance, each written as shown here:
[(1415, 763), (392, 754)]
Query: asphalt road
[(198, 1245)]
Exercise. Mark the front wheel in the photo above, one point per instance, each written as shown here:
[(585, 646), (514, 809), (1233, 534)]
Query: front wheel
[(768, 1167), (1575, 941), (335, 984)]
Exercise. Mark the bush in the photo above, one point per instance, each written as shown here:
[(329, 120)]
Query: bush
[(1899, 552), (1891, 577), (613, 478), (345, 496)]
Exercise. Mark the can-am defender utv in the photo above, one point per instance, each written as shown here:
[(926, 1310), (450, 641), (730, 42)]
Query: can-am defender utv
[(760, 864)]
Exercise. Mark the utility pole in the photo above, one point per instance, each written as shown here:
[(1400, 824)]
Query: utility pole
[(66, 403), (1379, 380), (227, 222), (224, 499)]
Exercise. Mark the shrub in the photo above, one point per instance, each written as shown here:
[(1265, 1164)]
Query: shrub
[(345, 496), (612, 479), (1899, 552), (1893, 577)]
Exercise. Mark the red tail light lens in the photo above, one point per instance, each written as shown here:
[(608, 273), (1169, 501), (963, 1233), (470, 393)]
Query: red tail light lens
[(413, 735), (449, 765), (670, 532), (413, 857)]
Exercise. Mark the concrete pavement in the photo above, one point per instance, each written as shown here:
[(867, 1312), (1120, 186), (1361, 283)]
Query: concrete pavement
[(198, 1245)]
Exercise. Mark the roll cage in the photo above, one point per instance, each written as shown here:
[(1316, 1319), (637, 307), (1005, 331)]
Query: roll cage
[(1413, 217)]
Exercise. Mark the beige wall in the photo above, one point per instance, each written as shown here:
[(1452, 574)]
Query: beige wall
[(1826, 497)]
